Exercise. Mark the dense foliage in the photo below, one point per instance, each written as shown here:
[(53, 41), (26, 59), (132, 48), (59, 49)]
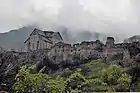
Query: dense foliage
[(109, 77), (101, 77), (26, 82)]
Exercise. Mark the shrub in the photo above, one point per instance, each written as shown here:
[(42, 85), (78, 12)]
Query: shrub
[(26, 82), (109, 78)]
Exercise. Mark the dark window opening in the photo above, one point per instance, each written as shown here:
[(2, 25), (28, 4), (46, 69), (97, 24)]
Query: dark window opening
[(33, 45), (37, 47)]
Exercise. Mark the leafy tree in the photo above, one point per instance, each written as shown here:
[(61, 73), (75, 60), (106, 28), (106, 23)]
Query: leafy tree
[(30, 83), (112, 79), (77, 81), (115, 76), (27, 82), (109, 78)]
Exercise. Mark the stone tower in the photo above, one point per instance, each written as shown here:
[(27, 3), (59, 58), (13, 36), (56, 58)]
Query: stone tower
[(110, 42)]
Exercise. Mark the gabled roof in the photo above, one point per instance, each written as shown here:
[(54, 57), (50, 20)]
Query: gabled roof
[(45, 35)]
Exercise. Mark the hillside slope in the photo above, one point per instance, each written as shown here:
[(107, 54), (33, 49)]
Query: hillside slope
[(14, 39)]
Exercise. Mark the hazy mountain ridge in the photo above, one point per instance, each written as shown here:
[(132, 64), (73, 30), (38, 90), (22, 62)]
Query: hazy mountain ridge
[(14, 39)]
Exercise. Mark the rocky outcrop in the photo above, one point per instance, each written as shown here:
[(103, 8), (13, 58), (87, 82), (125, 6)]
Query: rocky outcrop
[(10, 62)]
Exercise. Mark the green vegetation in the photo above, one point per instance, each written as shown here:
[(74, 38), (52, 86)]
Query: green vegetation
[(26, 82), (3, 92), (100, 78), (95, 68), (110, 77)]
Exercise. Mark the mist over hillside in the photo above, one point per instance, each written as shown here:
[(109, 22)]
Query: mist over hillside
[(14, 39), (119, 17)]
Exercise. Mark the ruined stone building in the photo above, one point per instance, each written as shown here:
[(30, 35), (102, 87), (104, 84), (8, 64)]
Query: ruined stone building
[(132, 39), (110, 42), (109, 52), (60, 51), (67, 52), (50, 50), (42, 39)]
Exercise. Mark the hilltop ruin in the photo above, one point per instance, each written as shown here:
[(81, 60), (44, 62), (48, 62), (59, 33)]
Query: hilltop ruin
[(60, 55)]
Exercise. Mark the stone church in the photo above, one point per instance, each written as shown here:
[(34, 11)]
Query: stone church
[(42, 39)]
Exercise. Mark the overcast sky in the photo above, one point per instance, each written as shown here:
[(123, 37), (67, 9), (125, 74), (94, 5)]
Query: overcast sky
[(120, 17)]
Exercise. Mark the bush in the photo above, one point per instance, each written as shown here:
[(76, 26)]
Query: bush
[(115, 76), (26, 82), (108, 78)]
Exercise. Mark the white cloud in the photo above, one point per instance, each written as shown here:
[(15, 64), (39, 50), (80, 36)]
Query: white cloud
[(106, 16)]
